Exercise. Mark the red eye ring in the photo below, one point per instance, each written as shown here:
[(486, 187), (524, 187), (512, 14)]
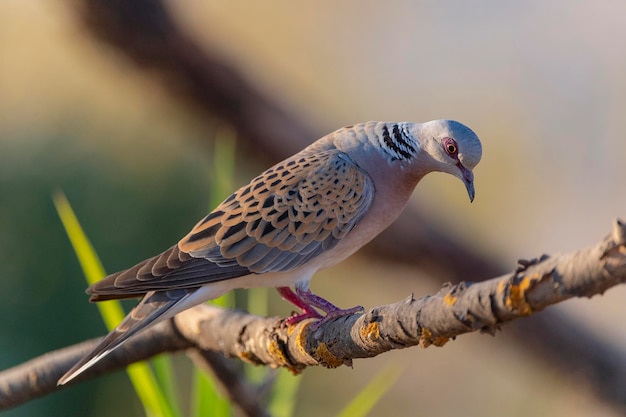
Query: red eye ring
[(450, 146)]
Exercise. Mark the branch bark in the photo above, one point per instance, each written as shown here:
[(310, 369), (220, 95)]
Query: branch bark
[(431, 320)]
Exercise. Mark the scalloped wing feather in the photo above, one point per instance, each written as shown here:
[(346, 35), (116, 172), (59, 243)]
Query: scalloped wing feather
[(172, 269), (284, 218)]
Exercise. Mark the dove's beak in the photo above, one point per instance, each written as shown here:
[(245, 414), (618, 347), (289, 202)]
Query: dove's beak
[(468, 179)]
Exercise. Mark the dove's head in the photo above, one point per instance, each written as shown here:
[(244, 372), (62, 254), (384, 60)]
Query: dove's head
[(449, 146)]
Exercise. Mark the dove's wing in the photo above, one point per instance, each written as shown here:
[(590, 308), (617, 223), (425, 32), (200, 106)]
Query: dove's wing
[(285, 217)]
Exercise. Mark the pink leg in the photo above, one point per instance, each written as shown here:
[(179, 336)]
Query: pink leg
[(308, 312), (306, 301)]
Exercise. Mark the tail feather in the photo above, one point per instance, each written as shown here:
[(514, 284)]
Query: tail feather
[(153, 308)]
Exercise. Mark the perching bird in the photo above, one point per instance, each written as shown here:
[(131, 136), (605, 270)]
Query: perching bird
[(308, 212)]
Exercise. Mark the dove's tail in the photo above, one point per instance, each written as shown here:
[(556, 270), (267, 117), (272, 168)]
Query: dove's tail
[(153, 308)]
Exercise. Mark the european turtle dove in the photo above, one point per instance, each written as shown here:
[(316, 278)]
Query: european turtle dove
[(306, 213)]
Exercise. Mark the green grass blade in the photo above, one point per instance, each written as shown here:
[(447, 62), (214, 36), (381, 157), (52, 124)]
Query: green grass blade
[(142, 378), (365, 400), (208, 400), (111, 311), (167, 381), (154, 401), (284, 394), (87, 257)]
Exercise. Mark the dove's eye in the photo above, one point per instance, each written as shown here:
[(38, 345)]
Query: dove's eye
[(450, 146)]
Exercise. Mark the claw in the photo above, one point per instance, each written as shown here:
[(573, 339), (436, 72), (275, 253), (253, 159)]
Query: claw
[(306, 301), (297, 318), (331, 315)]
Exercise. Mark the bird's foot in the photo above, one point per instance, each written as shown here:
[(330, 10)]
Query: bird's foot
[(306, 301), (338, 312), (308, 312)]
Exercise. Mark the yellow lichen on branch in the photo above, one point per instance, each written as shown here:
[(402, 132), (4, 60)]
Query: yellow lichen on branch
[(326, 358), (450, 299), (427, 339), (516, 298), (370, 332)]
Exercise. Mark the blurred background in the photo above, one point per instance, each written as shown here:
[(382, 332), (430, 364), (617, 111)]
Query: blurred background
[(542, 84)]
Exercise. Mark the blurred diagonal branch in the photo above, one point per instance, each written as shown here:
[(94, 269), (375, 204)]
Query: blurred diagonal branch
[(145, 32), (431, 320)]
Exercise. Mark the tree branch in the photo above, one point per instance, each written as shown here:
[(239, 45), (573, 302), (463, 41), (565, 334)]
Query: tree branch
[(431, 320), (39, 376)]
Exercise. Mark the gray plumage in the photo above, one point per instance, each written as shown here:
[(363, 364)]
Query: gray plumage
[(306, 213)]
